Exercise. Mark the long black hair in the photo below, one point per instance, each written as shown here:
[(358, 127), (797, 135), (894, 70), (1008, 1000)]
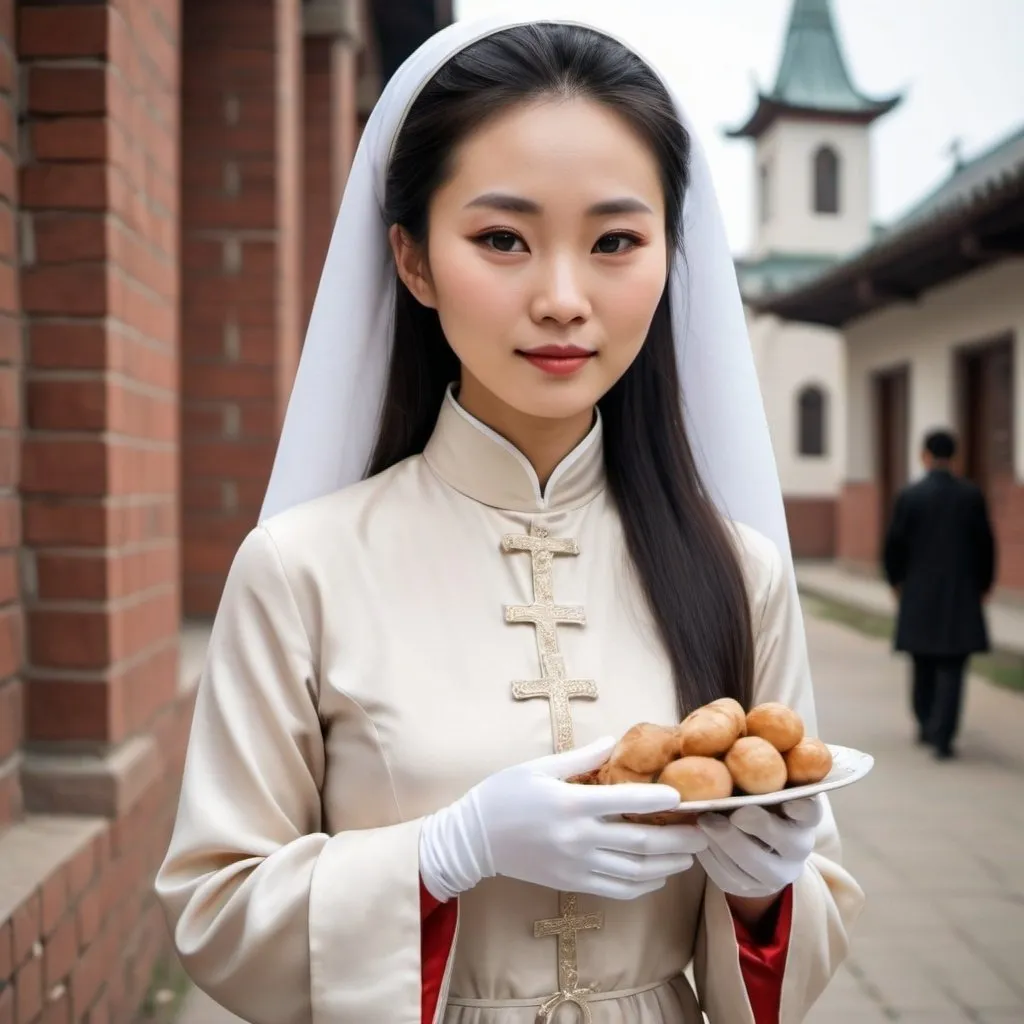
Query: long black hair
[(684, 557)]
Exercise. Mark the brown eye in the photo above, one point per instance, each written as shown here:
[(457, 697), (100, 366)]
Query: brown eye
[(612, 245), (501, 241)]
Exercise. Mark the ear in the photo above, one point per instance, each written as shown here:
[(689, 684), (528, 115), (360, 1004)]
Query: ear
[(411, 265)]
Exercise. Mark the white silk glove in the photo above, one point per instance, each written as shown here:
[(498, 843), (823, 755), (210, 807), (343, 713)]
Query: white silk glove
[(756, 852), (525, 822)]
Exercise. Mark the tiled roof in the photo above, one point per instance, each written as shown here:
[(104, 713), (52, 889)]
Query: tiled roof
[(971, 180), (813, 77)]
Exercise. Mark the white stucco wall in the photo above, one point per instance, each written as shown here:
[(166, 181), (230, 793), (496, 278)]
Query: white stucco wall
[(789, 357), (926, 336), (788, 149)]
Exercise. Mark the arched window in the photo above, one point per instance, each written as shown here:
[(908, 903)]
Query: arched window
[(826, 180), (812, 417)]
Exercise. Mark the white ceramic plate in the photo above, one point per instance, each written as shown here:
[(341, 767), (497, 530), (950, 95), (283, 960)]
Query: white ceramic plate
[(848, 766)]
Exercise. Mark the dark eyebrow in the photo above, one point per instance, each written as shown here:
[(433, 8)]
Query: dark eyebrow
[(517, 204), (507, 203), (614, 206)]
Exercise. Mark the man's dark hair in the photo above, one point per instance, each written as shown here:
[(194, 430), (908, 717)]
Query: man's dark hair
[(940, 444)]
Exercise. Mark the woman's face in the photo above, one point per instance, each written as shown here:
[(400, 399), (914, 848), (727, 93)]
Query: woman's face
[(546, 257)]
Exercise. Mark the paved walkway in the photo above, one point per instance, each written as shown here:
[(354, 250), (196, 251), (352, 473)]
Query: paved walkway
[(939, 849)]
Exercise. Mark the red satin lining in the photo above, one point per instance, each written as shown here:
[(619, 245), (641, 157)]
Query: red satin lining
[(437, 934), (763, 964)]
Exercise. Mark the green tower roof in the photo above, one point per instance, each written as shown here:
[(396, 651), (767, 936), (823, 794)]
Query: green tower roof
[(813, 81)]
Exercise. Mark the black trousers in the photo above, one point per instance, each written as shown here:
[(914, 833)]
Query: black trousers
[(937, 696)]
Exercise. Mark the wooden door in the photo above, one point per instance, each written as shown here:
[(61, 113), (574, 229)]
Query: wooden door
[(892, 442), (985, 385)]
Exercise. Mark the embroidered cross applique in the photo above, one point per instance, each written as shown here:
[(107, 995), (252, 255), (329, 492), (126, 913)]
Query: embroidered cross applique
[(555, 686)]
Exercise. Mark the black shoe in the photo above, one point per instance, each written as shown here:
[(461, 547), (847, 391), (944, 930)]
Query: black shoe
[(922, 737), (945, 754)]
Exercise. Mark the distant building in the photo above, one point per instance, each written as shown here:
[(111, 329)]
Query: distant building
[(932, 313), (812, 144)]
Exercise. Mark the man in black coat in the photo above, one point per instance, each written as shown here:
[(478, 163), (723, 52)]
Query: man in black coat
[(940, 559)]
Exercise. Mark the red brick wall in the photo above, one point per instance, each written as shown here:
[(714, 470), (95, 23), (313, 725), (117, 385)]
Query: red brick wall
[(241, 304), (11, 628), (858, 527), (81, 949), (318, 185), (89, 333), (290, 206), (100, 294), (328, 149), (1007, 512), (346, 116), (812, 526), (99, 484)]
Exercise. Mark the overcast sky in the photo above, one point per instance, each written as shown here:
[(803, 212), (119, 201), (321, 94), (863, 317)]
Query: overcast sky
[(958, 62)]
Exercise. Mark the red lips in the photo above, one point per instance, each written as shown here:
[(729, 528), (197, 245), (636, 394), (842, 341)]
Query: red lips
[(559, 352), (558, 360)]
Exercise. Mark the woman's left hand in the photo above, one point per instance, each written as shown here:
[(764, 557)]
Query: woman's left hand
[(756, 852)]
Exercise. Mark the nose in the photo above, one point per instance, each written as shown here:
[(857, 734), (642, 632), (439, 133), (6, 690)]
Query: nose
[(561, 295)]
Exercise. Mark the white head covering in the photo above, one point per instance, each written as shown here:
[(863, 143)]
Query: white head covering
[(332, 417)]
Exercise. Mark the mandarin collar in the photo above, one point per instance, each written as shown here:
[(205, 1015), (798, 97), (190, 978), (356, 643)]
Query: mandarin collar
[(479, 463)]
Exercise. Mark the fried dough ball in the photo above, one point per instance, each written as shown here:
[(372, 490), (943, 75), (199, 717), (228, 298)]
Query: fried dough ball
[(698, 778), (734, 708), (782, 727), (641, 753), (809, 761), (707, 732), (756, 766), (610, 774)]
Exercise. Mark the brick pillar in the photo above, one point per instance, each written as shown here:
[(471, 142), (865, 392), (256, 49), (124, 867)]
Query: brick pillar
[(369, 81), (332, 42), (100, 295), (241, 270), (1007, 512), (10, 424), (98, 191)]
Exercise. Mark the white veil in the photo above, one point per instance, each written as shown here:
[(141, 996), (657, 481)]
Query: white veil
[(331, 421)]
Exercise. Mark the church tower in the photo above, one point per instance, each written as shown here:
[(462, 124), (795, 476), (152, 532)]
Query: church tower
[(812, 150), (812, 146)]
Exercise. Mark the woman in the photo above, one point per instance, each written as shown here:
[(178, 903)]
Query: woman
[(374, 824)]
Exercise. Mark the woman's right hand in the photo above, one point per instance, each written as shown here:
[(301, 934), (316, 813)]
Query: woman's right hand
[(526, 822)]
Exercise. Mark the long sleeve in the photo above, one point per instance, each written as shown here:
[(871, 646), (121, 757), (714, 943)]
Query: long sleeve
[(985, 545), (278, 921), (826, 900), (894, 548)]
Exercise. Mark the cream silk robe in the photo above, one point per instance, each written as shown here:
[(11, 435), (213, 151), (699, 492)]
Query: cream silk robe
[(377, 653)]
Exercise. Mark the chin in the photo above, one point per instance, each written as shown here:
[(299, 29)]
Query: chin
[(555, 399)]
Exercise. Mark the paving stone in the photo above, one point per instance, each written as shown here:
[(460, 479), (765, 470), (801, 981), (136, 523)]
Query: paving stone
[(937, 847)]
